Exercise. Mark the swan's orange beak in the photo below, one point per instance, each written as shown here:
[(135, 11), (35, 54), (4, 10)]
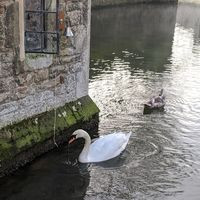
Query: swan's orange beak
[(71, 140)]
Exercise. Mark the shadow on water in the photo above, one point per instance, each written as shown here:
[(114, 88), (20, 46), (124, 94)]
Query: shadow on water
[(49, 177), (140, 35)]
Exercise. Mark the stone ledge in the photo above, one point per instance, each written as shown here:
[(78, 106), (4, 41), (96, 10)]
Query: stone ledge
[(22, 142)]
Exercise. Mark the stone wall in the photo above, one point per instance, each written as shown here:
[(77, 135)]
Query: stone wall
[(43, 97), (41, 82), (99, 3)]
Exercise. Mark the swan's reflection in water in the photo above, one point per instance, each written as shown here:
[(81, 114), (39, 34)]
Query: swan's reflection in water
[(47, 178)]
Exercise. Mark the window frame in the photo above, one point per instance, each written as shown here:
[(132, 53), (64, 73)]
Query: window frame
[(43, 12)]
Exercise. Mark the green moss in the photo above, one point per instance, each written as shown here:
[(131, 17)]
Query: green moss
[(88, 110), (67, 115), (37, 129), (4, 144), (27, 141), (6, 149)]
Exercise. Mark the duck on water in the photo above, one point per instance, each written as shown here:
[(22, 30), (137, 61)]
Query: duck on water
[(156, 103)]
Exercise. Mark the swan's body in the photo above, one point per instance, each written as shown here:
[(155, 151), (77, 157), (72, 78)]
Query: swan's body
[(103, 148)]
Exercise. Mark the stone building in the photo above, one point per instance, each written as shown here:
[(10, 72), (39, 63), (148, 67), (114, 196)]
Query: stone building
[(44, 70)]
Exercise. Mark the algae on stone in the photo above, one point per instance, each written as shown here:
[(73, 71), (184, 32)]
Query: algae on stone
[(29, 132)]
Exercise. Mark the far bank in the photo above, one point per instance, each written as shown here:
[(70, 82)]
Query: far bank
[(102, 3)]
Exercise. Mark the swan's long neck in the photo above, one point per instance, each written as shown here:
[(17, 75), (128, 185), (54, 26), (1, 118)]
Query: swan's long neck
[(84, 153)]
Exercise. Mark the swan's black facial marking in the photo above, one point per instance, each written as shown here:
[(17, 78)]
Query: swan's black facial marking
[(72, 139)]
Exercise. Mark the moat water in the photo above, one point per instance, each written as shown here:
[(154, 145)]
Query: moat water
[(135, 51)]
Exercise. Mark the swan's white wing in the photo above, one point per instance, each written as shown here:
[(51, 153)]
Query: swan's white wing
[(107, 147)]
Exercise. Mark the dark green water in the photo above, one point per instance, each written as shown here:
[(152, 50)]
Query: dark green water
[(135, 51)]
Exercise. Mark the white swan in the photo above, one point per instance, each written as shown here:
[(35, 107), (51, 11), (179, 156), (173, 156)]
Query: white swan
[(103, 148)]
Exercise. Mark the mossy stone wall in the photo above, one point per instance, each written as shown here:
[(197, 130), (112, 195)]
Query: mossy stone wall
[(21, 138)]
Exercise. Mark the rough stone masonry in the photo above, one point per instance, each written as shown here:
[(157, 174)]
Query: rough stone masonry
[(33, 85)]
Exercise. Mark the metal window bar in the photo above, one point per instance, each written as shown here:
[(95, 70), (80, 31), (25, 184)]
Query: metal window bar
[(44, 33)]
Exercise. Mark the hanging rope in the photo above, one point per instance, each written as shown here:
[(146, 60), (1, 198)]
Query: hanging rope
[(54, 129), (55, 109), (55, 114)]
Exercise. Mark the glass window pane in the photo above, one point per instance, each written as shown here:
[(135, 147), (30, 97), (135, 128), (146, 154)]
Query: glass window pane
[(50, 5), (34, 22), (51, 43), (33, 4), (50, 22), (33, 41)]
